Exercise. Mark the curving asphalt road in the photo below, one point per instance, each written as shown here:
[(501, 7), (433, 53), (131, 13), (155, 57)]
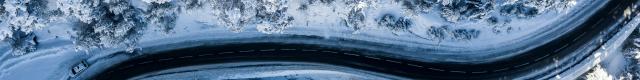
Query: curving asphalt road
[(575, 46)]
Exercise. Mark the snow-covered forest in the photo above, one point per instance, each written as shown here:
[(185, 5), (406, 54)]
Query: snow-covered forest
[(121, 23)]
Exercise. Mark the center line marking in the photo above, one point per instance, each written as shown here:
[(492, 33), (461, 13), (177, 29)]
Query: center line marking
[(373, 57), (308, 50), (329, 52), (186, 57), (246, 51), (145, 62), (350, 54), (287, 49), (597, 23), (264, 50), (435, 69), (556, 51), (458, 71), (579, 36), (225, 52), (414, 65), (540, 58), (500, 69), (393, 61), (205, 54), (480, 72), (521, 65), (165, 59)]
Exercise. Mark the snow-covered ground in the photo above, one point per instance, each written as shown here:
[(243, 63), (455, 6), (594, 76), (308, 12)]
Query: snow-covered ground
[(37, 32), (263, 70), (435, 27), (620, 63)]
